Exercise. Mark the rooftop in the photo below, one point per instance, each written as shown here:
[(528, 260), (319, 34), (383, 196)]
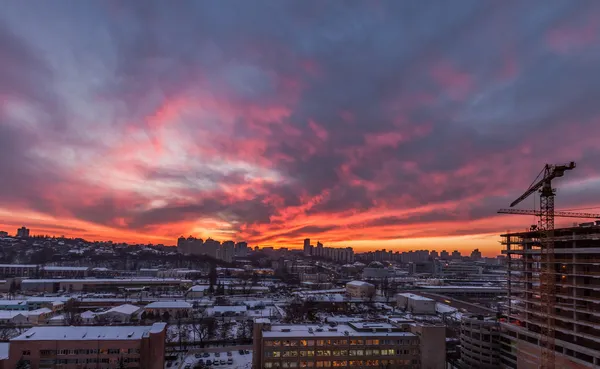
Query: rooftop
[(312, 330), (358, 284), (87, 333), (169, 305), (124, 309), (101, 280), (414, 297)]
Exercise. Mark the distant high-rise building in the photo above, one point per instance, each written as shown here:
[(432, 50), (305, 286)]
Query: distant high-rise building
[(3, 234), (319, 249), (227, 251), (476, 255), (444, 255), (456, 254), (23, 232), (433, 254), (241, 249), (211, 248), (182, 246), (307, 248)]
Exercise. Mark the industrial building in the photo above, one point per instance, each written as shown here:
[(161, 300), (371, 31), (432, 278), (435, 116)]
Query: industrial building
[(575, 305), (353, 344), (415, 304)]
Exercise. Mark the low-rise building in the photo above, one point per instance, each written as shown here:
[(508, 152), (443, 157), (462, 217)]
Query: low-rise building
[(197, 291), (234, 310), (173, 308), (121, 314), (101, 284), (353, 344), (98, 347), (360, 290), (415, 304)]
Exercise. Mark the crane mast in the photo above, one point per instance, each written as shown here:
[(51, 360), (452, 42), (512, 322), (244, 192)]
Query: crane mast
[(547, 270)]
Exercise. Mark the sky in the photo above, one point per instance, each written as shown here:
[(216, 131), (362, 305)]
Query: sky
[(372, 124)]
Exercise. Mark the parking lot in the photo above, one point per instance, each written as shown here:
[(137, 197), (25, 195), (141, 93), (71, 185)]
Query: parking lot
[(226, 358)]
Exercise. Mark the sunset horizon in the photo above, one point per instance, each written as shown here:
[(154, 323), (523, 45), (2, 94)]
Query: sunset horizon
[(373, 125)]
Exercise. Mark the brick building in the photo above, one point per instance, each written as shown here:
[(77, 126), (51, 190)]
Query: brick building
[(91, 347)]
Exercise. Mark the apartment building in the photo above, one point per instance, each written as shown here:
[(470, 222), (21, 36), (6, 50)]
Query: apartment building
[(479, 342), (91, 347), (353, 344), (575, 304)]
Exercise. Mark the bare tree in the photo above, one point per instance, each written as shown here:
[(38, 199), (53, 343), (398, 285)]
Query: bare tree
[(203, 327), (71, 312), (7, 331), (224, 332)]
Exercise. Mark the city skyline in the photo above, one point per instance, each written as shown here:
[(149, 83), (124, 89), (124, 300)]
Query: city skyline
[(368, 125)]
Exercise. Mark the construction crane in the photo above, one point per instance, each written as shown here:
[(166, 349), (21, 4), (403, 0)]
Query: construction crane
[(562, 214), (546, 233)]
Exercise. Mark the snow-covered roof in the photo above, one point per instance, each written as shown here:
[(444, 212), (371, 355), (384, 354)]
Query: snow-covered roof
[(4, 346), (87, 314), (84, 333), (232, 308), (412, 296), (198, 288), (33, 266), (101, 280), (359, 284), (169, 305), (9, 314), (39, 311), (12, 302), (127, 309), (312, 330), (65, 268)]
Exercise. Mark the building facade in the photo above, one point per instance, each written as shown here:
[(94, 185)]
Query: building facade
[(575, 305), (360, 290), (354, 344), (97, 347), (479, 342)]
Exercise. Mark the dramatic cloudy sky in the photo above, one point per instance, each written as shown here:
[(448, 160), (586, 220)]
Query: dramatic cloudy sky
[(396, 124)]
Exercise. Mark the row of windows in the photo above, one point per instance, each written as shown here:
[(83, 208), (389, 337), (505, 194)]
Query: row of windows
[(338, 363), (344, 342), (85, 352), (310, 353), (87, 361)]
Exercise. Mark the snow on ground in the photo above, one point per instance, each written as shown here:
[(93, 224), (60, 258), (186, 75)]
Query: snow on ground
[(239, 361)]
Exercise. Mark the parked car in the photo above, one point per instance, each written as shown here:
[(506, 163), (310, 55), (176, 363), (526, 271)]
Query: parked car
[(169, 364), (241, 352), (206, 354), (223, 362), (229, 353), (229, 361), (198, 356), (217, 354), (189, 366)]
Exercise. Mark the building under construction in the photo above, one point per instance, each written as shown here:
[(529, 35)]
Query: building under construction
[(575, 306)]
